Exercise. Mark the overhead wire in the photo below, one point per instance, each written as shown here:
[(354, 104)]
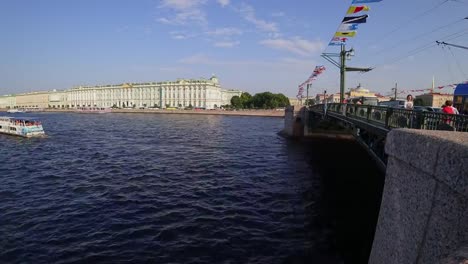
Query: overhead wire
[(422, 48), (448, 63), (416, 37), (458, 63), (409, 21)]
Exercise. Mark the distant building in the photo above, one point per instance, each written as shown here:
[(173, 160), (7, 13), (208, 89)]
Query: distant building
[(333, 98), (32, 100), (383, 98), (434, 99), (320, 98), (360, 91), (7, 101), (181, 93), (296, 102)]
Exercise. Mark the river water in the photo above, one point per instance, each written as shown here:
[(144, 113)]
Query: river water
[(144, 188)]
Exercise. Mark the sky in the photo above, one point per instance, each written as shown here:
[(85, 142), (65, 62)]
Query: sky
[(253, 46)]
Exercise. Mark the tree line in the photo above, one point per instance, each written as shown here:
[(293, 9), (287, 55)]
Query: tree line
[(264, 100)]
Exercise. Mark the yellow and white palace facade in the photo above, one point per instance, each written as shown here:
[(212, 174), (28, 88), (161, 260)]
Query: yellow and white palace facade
[(181, 93)]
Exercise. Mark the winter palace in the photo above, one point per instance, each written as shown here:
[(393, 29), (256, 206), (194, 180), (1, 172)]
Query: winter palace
[(180, 93)]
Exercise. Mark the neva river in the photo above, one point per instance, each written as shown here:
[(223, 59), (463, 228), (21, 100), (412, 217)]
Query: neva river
[(144, 188)]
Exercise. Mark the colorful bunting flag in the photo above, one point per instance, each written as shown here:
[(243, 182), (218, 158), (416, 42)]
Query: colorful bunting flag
[(349, 34), (357, 9), (365, 1), (348, 27), (355, 20), (337, 41)]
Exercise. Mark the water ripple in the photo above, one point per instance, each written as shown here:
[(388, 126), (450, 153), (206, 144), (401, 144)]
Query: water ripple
[(152, 188)]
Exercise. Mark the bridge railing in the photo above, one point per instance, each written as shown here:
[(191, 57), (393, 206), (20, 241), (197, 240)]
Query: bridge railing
[(388, 117)]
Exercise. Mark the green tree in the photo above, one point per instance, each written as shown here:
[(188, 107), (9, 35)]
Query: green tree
[(310, 102), (283, 101), (246, 100), (236, 102)]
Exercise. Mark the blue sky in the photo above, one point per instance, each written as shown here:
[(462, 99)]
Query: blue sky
[(254, 46)]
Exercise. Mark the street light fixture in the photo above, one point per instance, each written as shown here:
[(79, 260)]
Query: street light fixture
[(349, 54), (343, 55)]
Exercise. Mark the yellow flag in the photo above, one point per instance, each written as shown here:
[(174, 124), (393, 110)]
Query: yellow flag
[(348, 34), (357, 9)]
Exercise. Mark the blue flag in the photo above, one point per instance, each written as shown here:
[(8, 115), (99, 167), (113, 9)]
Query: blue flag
[(365, 1), (348, 27)]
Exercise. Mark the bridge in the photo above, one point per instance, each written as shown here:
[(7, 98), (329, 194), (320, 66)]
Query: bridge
[(370, 124), (423, 214)]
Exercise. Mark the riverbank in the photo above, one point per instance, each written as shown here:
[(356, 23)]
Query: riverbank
[(263, 113)]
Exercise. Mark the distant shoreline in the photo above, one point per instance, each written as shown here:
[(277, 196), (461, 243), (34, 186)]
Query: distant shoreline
[(260, 113)]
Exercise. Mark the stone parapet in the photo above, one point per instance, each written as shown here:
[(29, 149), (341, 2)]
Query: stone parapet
[(424, 212)]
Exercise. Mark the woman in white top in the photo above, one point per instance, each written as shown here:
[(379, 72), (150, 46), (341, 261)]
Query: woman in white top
[(409, 102)]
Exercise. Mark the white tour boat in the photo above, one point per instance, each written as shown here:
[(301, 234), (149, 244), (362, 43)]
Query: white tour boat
[(15, 110), (21, 126)]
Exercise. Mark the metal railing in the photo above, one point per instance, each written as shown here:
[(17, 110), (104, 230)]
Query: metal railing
[(388, 117)]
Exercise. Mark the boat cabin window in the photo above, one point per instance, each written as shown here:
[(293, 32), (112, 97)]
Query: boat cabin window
[(13, 128)]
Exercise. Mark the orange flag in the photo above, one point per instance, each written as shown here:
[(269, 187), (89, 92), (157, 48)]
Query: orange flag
[(357, 9)]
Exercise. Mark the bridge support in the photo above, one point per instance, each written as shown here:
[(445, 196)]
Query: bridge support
[(424, 212)]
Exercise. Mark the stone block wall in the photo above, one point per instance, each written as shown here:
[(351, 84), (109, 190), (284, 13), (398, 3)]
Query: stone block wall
[(288, 121), (424, 212)]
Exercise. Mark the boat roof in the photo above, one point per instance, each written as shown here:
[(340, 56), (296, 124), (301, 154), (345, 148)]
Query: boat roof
[(19, 118)]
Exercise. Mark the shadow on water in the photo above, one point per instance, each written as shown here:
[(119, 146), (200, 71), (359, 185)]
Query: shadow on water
[(345, 213)]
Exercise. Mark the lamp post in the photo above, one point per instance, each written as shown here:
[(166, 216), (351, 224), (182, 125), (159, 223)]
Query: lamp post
[(343, 55)]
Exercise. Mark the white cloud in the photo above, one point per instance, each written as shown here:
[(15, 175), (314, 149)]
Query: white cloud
[(278, 14), (224, 3), (185, 12), (182, 4), (180, 35), (248, 13), (227, 31), (295, 45), (226, 44)]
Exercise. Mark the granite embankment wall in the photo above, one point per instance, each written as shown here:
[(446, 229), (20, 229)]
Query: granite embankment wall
[(424, 212), (264, 113)]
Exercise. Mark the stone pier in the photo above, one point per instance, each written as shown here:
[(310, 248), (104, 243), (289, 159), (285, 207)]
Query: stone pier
[(424, 213)]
